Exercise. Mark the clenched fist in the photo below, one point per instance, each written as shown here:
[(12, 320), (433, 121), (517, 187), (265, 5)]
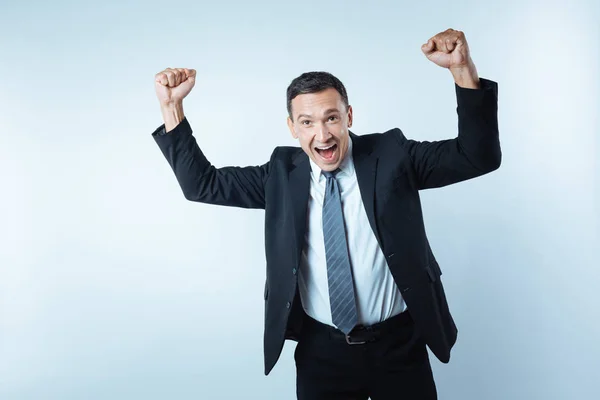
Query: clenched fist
[(449, 49), (173, 84)]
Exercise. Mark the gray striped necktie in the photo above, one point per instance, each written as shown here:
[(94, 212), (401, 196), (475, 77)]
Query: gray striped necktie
[(339, 273)]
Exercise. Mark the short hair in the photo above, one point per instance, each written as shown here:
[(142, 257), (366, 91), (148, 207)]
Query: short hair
[(314, 82)]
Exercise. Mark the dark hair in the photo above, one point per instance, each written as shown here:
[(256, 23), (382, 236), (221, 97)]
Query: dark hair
[(313, 82)]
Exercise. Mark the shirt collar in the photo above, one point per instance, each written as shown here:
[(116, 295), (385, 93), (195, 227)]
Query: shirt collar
[(346, 166)]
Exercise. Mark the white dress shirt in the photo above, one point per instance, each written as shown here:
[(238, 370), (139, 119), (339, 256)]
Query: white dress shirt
[(377, 296)]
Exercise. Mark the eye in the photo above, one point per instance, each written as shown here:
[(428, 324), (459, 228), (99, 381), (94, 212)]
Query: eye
[(333, 118), (305, 122)]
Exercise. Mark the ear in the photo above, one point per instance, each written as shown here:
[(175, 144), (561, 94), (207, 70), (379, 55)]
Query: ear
[(350, 116), (290, 125)]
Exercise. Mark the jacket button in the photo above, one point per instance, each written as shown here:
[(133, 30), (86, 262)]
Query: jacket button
[(294, 271), (288, 304)]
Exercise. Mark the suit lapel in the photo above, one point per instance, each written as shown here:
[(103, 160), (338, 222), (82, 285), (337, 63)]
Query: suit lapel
[(365, 165), (299, 184)]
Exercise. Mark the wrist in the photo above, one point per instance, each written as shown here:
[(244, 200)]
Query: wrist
[(466, 76), (172, 114)]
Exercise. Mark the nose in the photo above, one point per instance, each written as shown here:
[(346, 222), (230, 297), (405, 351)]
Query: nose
[(323, 134)]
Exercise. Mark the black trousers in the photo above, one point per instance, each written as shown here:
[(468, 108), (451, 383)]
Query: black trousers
[(392, 364)]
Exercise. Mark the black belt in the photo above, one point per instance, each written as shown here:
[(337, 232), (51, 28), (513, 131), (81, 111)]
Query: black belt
[(362, 334)]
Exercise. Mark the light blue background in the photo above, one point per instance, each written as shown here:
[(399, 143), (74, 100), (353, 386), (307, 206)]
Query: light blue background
[(113, 286)]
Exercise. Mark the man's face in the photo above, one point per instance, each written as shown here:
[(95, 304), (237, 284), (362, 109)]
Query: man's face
[(321, 123)]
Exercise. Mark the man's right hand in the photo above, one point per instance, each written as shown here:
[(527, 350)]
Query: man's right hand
[(173, 84)]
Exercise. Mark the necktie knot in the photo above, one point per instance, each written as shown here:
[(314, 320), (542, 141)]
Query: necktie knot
[(331, 174)]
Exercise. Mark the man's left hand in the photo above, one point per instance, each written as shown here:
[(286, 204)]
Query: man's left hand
[(449, 49)]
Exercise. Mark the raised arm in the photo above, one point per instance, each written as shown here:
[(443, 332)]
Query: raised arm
[(198, 178), (476, 149)]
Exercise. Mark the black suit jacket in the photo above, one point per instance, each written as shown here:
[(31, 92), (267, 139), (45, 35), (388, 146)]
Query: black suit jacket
[(391, 170)]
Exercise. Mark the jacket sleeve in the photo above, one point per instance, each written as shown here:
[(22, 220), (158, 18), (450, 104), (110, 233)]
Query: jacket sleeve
[(202, 182), (474, 152)]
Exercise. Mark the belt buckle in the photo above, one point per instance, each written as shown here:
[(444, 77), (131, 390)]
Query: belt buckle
[(349, 340)]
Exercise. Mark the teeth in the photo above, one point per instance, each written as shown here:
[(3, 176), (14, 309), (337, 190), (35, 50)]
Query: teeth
[(325, 148)]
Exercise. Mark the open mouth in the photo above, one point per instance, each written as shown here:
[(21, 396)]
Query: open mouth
[(327, 153)]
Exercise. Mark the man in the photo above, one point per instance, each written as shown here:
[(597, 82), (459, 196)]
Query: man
[(350, 274)]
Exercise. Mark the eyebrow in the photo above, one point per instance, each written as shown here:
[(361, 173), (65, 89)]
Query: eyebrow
[(329, 111)]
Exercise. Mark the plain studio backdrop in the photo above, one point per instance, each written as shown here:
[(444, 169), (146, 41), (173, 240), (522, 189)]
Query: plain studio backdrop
[(113, 286)]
